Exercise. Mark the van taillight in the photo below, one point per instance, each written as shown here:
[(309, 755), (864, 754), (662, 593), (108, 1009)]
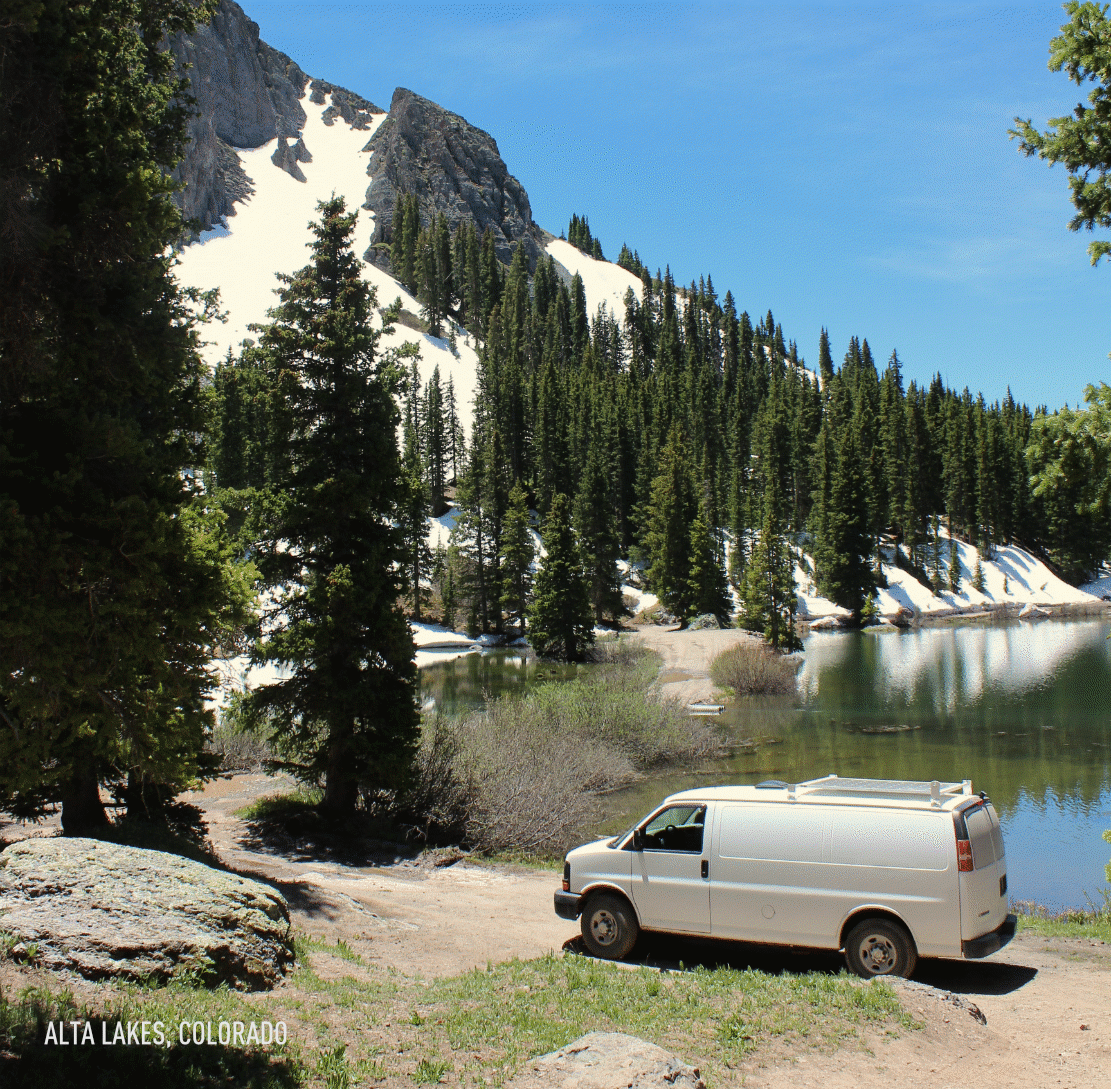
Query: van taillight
[(964, 855), (567, 876)]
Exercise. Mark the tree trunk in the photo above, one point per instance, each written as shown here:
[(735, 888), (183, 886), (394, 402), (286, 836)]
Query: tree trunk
[(82, 809), (341, 788), (144, 797)]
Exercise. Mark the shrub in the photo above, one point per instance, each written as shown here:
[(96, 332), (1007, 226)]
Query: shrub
[(751, 667), (239, 748), (525, 774)]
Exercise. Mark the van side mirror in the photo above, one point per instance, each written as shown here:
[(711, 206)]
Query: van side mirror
[(638, 839)]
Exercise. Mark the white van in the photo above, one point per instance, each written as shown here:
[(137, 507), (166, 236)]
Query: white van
[(884, 869)]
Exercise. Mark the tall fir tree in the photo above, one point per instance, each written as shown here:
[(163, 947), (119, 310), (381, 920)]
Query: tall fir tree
[(518, 553), (330, 548), (560, 621), (113, 591), (671, 512)]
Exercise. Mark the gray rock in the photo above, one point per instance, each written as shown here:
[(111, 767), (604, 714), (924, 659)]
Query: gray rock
[(247, 93), (286, 158), (707, 621), (609, 1060), (356, 111), (107, 911), (454, 169), (904, 618)]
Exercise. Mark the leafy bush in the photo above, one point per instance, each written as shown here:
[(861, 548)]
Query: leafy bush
[(751, 667)]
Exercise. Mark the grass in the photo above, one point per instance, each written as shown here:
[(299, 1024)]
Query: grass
[(753, 668), (1092, 922), (281, 805), (26, 1060), (475, 1028)]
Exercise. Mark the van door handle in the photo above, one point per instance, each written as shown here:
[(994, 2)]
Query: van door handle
[(705, 867)]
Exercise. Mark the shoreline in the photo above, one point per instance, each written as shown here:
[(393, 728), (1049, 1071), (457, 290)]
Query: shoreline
[(991, 612)]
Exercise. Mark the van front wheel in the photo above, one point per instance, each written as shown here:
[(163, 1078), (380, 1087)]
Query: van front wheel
[(877, 947), (609, 927)]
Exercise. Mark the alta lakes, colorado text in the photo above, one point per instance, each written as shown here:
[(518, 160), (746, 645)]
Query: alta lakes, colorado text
[(159, 1034)]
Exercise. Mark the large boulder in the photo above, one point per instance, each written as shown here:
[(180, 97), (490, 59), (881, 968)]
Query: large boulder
[(107, 911), (609, 1060), (705, 622)]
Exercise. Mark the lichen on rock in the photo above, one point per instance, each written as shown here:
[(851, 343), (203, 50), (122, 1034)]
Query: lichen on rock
[(107, 911)]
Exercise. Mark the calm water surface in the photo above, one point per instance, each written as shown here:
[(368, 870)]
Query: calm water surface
[(1024, 710)]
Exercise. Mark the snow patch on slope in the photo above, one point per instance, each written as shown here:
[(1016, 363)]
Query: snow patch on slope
[(1028, 582), (603, 281), (270, 234)]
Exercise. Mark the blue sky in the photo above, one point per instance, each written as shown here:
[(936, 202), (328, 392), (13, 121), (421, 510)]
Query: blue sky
[(843, 165)]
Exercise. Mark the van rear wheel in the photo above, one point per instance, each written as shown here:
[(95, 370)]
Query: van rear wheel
[(609, 927), (878, 947)]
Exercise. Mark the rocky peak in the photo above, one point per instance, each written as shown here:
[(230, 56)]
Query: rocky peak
[(454, 168), (247, 93)]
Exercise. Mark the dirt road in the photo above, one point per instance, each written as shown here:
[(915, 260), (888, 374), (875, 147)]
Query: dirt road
[(685, 673), (1047, 1003)]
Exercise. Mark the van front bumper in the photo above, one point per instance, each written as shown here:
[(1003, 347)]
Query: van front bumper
[(994, 940), (567, 904)]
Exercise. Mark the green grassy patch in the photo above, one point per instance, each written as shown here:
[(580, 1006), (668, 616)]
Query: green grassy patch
[(1093, 922), (281, 806), (521, 1009), (480, 1027), (26, 1059)]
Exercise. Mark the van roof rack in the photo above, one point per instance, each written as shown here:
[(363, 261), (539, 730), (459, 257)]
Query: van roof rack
[(833, 784)]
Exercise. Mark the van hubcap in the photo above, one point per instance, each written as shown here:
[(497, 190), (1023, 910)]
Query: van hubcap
[(878, 954), (604, 927)]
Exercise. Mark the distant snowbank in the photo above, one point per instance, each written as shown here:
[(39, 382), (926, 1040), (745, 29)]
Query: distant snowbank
[(603, 282), (1013, 579)]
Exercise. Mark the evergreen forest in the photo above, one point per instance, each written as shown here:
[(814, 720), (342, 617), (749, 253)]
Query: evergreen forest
[(689, 439)]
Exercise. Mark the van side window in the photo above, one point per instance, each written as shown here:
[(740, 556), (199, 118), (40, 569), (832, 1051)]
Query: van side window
[(677, 828)]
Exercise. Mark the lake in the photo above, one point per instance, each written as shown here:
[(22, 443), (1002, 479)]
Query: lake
[(1023, 709)]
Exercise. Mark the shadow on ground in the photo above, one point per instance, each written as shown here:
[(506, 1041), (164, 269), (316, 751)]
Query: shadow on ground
[(671, 953)]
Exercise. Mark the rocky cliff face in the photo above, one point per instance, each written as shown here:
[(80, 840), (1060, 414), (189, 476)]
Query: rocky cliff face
[(454, 168), (247, 93)]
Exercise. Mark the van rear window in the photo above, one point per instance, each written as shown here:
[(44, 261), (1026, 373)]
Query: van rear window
[(980, 831)]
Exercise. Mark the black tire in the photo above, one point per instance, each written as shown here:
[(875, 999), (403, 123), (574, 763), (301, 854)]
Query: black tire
[(880, 947), (609, 927)]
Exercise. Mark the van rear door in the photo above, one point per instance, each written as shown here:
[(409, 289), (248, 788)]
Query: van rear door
[(984, 886)]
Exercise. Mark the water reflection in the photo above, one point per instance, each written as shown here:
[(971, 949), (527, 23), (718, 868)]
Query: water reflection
[(1024, 710)]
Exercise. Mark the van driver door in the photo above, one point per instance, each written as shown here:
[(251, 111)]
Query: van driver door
[(670, 879)]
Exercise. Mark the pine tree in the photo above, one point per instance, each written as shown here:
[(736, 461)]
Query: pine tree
[(708, 588), (412, 518), (347, 711), (560, 622), (595, 525), (436, 444), (517, 556), (844, 549), (671, 511), (768, 600), (447, 595), (114, 589)]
